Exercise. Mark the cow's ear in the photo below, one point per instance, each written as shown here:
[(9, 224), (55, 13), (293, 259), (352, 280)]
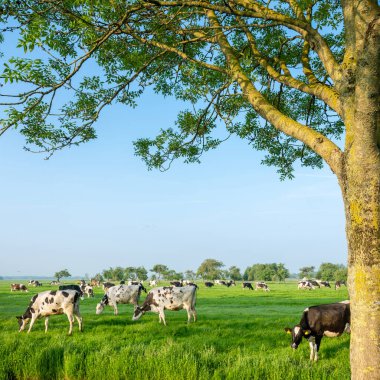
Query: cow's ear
[(288, 330), (307, 332)]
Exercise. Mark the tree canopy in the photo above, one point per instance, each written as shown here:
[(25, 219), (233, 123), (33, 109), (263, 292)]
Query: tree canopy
[(61, 274), (208, 54)]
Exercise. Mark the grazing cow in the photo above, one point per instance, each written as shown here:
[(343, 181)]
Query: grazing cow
[(305, 285), (219, 282), (315, 283), (230, 283), (34, 283), (191, 284), (176, 283), (55, 283), (262, 285), (325, 284), (153, 283), (338, 284), (209, 284), (170, 298), (247, 285), (120, 294), (19, 287), (52, 302), (107, 285), (94, 282), (87, 289), (329, 320)]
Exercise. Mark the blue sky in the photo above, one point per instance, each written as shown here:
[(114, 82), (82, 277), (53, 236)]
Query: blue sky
[(96, 206)]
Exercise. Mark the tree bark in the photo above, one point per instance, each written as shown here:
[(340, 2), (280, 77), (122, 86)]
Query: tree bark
[(360, 182)]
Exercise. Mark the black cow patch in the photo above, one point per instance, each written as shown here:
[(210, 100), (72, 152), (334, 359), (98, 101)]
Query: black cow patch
[(47, 300), (32, 310), (53, 292), (54, 310), (76, 297), (65, 294)]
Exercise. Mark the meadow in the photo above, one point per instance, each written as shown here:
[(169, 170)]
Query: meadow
[(239, 335)]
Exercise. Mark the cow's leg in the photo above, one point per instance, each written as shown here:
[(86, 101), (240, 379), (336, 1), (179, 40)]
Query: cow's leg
[(311, 341), (189, 313), (70, 317), (78, 317), (161, 315), (317, 345), (46, 324), (34, 317), (195, 315)]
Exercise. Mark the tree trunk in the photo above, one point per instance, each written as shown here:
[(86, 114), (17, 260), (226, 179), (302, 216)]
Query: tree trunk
[(362, 203), (360, 181)]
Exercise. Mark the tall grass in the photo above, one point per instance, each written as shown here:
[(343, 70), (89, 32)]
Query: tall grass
[(239, 335)]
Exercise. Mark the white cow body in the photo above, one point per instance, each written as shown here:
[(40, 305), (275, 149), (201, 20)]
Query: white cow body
[(123, 294), (169, 298), (52, 302)]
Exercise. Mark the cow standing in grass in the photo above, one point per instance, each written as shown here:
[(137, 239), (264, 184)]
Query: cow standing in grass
[(52, 302), (123, 294), (18, 287), (169, 298), (329, 320)]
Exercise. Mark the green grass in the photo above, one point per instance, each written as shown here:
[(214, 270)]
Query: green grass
[(239, 335)]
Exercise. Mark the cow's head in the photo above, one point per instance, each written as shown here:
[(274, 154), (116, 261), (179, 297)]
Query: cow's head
[(140, 311), (297, 333), (101, 304), (23, 320)]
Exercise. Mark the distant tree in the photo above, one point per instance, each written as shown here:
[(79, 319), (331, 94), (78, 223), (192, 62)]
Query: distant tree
[(234, 273), (329, 271), (118, 273), (130, 273), (341, 274), (266, 272), (61, 274), (190, 275), (210, 269), (160, 270), (173, 275), (141, 273), (282, 272), (306, 272), (108, 273)]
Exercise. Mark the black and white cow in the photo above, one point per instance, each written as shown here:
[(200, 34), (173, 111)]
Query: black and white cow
[(262, 285), (55, 283), (77, 288), (107, 285), (325, 284), (176, 283), (209, 284), (169, 298), (338, 284), (247, 285), (305, 285), (87, 289), (34, 283), (329, 320), (153, 283), (19, 287), (230, 283), (123, 294), (52, 302)]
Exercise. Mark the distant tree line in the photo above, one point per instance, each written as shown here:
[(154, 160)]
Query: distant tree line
[(211, 269), (326, 272)]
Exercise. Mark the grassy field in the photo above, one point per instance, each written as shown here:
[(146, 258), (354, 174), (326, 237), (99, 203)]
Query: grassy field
[(239, 335)]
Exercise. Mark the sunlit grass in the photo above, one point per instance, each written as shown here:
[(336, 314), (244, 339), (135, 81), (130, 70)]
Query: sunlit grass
[(239, 335)]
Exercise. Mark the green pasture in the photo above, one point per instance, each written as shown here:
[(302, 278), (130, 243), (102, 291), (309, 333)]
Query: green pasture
[(239, 335)]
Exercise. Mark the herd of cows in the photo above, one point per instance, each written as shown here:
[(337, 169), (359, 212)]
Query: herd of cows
[(317, 321)]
